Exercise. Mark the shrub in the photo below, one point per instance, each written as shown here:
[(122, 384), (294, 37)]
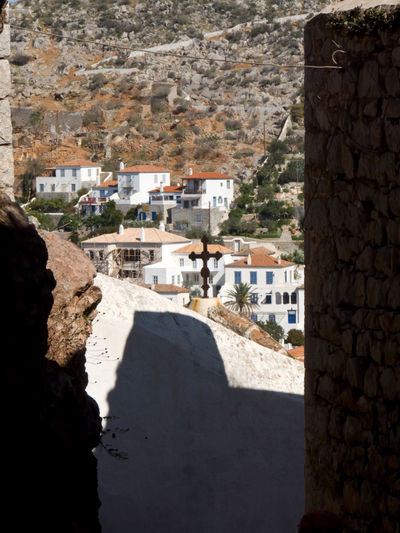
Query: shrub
[(97, 82), (295, 337), (19, 60), (273, 329)]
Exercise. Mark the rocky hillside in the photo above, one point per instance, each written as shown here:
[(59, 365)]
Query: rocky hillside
[(203, 101)]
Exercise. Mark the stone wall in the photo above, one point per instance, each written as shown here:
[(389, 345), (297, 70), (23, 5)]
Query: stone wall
[(352, 195), (6, 151)]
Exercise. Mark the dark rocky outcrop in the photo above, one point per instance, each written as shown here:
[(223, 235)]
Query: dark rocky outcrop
[(51, 425)]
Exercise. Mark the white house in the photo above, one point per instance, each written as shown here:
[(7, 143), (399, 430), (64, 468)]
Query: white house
[(205, 202), (68, 179), (278, 287), (161, 201), (207, 189), (127, 253), (175, 293), (190, 270), (96, 199), (135, 182)]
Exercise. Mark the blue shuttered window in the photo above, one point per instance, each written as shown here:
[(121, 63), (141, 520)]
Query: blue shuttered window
[(238, 277), (253, 278), (269, 278)]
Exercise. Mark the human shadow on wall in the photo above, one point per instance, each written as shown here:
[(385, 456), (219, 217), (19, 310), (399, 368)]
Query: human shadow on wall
[(188, 452)]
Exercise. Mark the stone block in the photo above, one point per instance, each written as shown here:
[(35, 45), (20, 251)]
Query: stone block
[(351, 496), (371, 387), (388, 383), (392, 133), (391, 108), (392, 82), (5, 122), (5, 42), (368, 81), (355, 370), (5, 79), (7, 170), (352, 430)]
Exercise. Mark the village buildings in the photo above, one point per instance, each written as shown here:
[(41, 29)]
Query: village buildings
[(135, 183), (277, 286), (96, 199), (206, 200), (67, 179), (126, 253)]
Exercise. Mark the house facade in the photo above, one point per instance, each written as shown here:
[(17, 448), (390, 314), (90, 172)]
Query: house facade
[(206, 200), (96, 199), (278, 287), (135, 183), (126, 254), (161, 201), (68, 179)]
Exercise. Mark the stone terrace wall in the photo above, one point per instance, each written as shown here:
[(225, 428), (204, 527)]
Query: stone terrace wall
[(352, 222), (6, 151)]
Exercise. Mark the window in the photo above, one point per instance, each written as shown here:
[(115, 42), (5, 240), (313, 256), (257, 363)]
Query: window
[(292, 317), (254, 317), (285, 276), (272, 318), (74, 172), (222, 183), (151, 255), (195, 263), (199, 218), (155, 178), (254, 298), (278, 298), (214, 201), (53, 188), (41, 187), (181, 262), (186, 204), (215, 263), (285, 297), (155, 280), (293, 298), (268, 298), (101, 255), (196, 278), (131, 255), (62, 172), (228, 184), (253, 278), (220, 199), (238, 277), (91, 254), (173, 280), (269, 278), (89, 172), (73, 187), (178, 279)]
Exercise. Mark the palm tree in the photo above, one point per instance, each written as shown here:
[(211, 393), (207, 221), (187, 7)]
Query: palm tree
[(243, 298)]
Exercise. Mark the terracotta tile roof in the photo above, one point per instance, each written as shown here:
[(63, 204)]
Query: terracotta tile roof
[(198, 248), (143, 168), (79, 163), (260, 258), (297, 353), (111, 183), (165, 288), (207, 176), (132, 235), (169, 188)]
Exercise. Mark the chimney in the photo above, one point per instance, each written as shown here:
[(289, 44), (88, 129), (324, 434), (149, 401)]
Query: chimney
[(249, 259), (279, 260), (190, 171), (142, 236), (161, 187), (161, 227), (121, 165), (121, 229), (98, 178)]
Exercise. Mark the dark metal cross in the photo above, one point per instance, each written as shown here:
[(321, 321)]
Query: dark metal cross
[(205, 256)]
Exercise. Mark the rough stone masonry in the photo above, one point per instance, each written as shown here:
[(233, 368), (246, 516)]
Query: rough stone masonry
[(6, 150), (352, 195)]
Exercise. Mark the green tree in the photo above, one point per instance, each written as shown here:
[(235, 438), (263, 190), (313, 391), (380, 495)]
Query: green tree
[(242, 299), (111, 216), (295, 337), (275, 330)]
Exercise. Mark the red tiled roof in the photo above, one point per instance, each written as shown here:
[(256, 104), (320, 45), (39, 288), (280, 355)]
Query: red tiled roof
[(165, 288), (143, 168), (132, 235), (297, 353), (111, 183), (169, 188), (260, 258), (79, 163), (207, 176), (198, 248)]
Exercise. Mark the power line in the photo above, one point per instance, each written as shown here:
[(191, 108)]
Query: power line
[(252, 62)]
